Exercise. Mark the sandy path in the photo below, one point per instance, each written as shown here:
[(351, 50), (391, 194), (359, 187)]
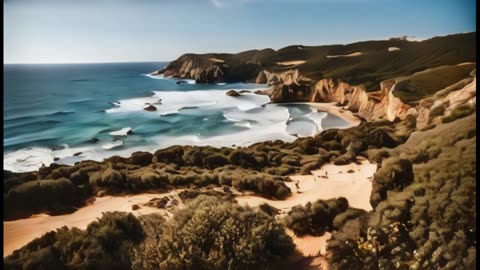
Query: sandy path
[(330, 181), (19, 232)]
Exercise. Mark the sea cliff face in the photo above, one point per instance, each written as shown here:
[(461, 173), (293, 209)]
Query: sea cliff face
[(374, 82), (291, 86)]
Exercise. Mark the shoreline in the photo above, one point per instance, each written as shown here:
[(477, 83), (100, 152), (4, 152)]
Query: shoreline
[(277, 131)]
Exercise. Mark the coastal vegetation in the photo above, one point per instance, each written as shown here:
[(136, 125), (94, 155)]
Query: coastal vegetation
[(208, 233)]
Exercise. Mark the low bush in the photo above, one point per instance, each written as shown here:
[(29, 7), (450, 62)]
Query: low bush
[(315, 218)]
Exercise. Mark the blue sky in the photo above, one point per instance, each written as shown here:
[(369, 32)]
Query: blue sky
[(68, 31)]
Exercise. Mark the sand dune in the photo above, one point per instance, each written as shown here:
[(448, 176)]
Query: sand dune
[(19, 232)]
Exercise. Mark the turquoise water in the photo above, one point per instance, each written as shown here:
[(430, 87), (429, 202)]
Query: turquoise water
[(68, 105)]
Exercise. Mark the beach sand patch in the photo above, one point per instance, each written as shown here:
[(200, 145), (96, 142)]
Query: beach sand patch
[(291, 63), (345, 55)]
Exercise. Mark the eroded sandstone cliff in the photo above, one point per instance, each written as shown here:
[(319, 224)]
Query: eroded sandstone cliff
[(374, 82)]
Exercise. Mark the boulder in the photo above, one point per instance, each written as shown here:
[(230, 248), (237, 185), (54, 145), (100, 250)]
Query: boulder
[(158, 202), (141, 158), (77, 154), (58, 147), (150, 108), (232, 93), (93, 140)]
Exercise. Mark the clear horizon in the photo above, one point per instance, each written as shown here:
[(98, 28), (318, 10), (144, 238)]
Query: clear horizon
[(107, 31)]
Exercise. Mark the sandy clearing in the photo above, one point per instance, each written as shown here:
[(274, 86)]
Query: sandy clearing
[(19, 232), (216, 60), (345, 55), (310, 246), (331, 181), (355, 186), (289, 63), (391, 49)]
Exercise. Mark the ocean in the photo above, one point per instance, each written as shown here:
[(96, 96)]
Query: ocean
[(66, 113)]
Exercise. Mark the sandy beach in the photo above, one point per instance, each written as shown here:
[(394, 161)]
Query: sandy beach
[(331, 108), (351, 181), (19, 232)]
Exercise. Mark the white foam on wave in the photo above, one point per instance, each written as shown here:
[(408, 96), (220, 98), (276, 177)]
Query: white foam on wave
[(168, 102), (243, 124), (25, 160), (263, 114), (162, 77), (274, 131), (121, 132), (112, 145), (302, 128), (32, 158), (259, 121)]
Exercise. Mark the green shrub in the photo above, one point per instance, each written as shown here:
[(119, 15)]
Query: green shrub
[(315, 218), (262, 184), (213, 234), (105, 244), (49, 196)]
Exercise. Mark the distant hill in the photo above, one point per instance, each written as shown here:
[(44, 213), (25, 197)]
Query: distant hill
[(367, 62)]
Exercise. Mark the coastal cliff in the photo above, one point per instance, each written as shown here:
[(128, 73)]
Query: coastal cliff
[(368, 78), (389, 102)]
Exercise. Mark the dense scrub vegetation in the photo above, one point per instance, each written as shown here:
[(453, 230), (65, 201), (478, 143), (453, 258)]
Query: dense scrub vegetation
[(105, 244), (262, 168), (315, 218), (213, 234), (48, 196), (424, 220), (209, 233)]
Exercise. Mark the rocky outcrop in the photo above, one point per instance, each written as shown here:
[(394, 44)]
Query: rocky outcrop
[(232, 93), (207, 69), (446, 101), (150, 108), (195, 67), (291, 86)]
